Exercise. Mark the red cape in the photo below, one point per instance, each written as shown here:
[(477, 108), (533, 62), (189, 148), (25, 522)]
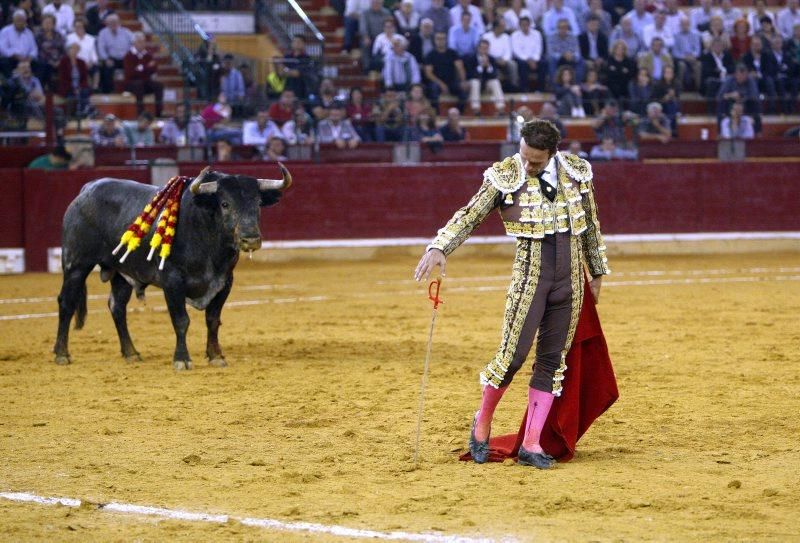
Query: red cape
[(590, 388)]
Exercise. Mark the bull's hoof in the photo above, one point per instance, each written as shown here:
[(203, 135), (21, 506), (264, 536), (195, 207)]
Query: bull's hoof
[(63, 360), (217, 362), (180, 365), (131, 358)]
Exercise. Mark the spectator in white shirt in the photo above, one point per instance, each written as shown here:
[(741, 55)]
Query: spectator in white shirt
[(500, 51), (556, 13), (639, 16), (65, 16), (476, 21), (259, 132), (513, 14), (658, 30), (701, 15), (383, 41), (88, 50), (729, 14), (788, 18), (536, 8), (737, 125), (756, 14), (527, 48), (674, 16)]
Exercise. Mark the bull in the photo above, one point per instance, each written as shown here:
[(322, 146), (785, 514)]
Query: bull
[(219, 217)]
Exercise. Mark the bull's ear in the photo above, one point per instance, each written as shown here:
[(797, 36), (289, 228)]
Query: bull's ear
[(270, 197)]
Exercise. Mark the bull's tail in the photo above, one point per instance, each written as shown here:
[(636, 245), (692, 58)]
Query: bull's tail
[(80, 313)]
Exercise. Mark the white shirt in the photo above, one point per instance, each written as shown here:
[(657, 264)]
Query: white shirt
[(537, 9), (512, 19), (88, 51), (754, 22), (65, 17), (786, 21), (650, 32), (356, 7), (527, 47), (252, 135), (550, 173), (699, 16), (673, 23), (499, 46), (730, 17), (476, 21), (639, 23), (383, 44)]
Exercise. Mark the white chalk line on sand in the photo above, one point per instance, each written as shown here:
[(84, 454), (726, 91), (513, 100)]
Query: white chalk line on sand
[(645, 273), (266, 523), (484, 288)]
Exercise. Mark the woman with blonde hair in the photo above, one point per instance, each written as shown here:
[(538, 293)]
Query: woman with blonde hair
[(620, 70)]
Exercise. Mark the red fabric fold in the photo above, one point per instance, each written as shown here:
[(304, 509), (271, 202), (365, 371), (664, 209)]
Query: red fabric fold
[(590, 388)]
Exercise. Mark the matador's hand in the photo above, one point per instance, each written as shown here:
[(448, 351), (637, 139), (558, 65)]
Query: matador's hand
[(594, 286), (428, 262)]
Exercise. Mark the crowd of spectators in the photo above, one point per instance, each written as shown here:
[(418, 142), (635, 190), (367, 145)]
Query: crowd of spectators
[(622, 63), (635, 52)]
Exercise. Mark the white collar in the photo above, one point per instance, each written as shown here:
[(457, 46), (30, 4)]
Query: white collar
[(549, 173)]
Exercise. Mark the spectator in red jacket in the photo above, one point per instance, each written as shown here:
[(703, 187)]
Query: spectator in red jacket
[(73, 79), (140, 67), (283, 110)]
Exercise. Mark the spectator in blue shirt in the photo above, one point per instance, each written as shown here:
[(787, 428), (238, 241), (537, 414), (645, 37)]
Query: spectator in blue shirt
[(464, 39), (231, 82), (17, 43), (563, 48)]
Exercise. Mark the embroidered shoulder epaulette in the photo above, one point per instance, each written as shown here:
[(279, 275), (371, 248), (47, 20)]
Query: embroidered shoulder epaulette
[(577, 168), (508, 175)]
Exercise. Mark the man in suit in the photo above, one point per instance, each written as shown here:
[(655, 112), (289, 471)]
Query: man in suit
[(764, 69), (546, 201), (593, 43), (656, 59), (715, 65)]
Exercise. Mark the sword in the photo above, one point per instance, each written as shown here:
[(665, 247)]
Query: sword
[(433, 296)]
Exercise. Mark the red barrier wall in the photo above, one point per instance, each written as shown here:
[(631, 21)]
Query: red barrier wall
[(11, 228), (341, 201), (374, 200), (46, 197)]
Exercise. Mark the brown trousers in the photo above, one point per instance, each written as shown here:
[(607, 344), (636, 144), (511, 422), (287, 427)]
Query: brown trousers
[(550, 314)]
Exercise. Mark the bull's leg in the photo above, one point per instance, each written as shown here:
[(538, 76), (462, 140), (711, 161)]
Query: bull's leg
[(118, 305), (213, 311), (72, 295), (176, 303)]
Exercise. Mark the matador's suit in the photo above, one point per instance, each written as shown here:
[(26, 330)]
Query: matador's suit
[(554, 218)]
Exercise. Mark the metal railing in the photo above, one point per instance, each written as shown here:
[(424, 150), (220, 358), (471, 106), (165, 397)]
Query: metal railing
[(285, 19), (182, 37)]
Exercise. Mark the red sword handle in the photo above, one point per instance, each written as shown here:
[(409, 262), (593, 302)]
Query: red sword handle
[(433, 293)]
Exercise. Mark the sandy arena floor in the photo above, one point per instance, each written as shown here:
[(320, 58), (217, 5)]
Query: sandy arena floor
[(314, 419)]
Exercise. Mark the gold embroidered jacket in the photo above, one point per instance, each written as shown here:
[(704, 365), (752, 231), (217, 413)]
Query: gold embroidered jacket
[(527, 214)]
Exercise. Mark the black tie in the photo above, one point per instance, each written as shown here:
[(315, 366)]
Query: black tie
[(547, 189)]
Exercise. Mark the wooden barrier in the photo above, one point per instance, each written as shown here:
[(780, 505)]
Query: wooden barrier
[(350, 201), (12, 232)]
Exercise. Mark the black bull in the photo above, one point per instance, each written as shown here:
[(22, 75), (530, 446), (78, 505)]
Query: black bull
[(219, 216)]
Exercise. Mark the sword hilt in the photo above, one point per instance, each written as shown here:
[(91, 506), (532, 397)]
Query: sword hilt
[(433, 293)]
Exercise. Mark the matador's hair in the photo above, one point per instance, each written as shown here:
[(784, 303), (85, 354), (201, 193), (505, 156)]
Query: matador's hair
[(541, 134)]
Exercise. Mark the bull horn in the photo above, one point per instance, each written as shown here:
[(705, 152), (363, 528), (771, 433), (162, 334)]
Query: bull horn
[(277, 184), (198, 187)]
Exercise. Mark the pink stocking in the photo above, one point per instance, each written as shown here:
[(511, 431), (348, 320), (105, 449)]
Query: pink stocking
[(539, 403), (491, 397)]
